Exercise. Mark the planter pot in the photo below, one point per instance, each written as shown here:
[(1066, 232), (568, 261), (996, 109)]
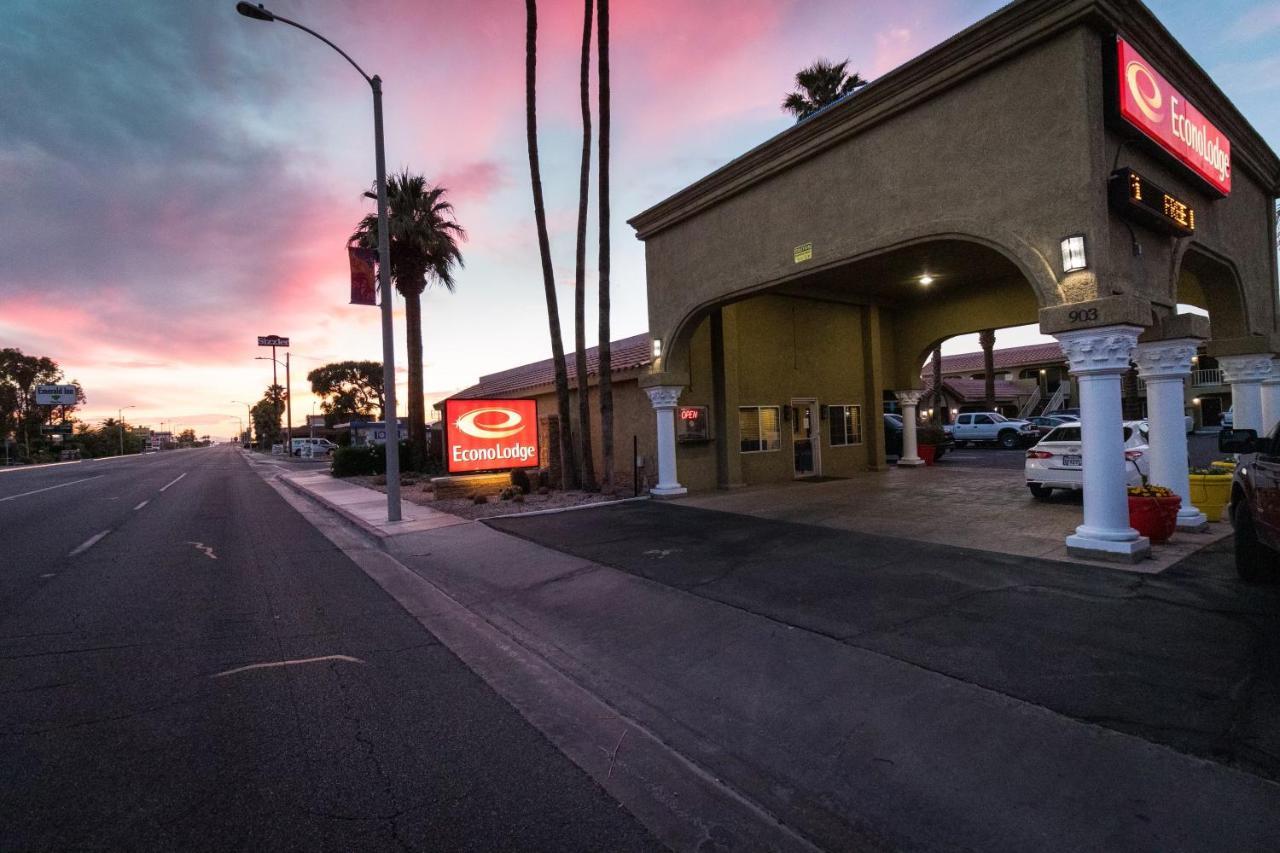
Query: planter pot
[(928, 453), (1227, 467), (1154, 518), (1210, 493)]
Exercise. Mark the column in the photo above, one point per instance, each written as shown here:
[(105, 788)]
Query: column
[(1098, 359), (1245, 374), (909, 401), (663, 398), (1271, 399), (1165, 366)]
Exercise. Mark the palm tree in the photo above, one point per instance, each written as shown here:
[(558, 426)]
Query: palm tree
[(424, 250), (606, 355), (568, 474), (823, 83), (587, 464)]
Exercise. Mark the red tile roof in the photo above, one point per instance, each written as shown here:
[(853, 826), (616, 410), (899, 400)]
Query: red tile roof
[(626, 355), (975, 390), (971, 362)]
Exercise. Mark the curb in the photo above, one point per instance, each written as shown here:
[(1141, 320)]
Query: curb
[(379, 537)]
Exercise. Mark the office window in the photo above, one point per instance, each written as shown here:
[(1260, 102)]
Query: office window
[(760, 428), (846, 425)]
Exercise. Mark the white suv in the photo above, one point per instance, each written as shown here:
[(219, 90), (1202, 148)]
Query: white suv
[(312, 447)]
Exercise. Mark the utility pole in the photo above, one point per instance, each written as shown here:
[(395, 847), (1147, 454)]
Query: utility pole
[(288, 402)]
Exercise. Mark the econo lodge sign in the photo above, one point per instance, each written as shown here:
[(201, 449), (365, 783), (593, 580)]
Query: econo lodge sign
[(490, 435), (1149, 103)]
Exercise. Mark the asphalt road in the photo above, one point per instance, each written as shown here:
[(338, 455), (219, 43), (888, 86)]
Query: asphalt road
[(187, 664)]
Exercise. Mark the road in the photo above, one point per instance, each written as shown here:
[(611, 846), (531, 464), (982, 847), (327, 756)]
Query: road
[(187, 664)]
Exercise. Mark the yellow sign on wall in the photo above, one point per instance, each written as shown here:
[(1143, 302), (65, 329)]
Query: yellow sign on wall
[(803, 252)]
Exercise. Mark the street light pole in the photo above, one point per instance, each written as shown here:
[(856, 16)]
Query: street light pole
[(120, 423), (259, 13), (248, 411)]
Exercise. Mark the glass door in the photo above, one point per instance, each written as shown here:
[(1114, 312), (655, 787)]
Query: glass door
[(804, 437)]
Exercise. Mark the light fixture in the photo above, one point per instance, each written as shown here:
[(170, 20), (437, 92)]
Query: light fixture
[(1195, 401), (1073, 257), (657, 347), (926, 280)]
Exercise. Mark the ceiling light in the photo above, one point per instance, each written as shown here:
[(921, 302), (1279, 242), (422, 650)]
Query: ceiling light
[(926, 279)]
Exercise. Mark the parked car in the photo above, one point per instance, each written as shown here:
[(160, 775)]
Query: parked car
[(312, 447), (973, 427), (1057, 461), (1255, 500), (1045, 423), (1229, 418), (893, 436)]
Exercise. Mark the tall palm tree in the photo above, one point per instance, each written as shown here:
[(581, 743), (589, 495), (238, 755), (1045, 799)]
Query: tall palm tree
[(586, 464), (424, 250), (606, 354), (823, 83), (568, 474)]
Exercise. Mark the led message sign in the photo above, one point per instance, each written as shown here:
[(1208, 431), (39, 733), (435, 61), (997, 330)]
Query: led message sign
[(1148, 102), (490, 435), (1133, 195)]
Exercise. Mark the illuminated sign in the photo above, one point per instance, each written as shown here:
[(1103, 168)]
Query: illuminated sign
[(490, 435), (272, 341), (1135, 196), (692, 424), (803, 252), (1148, 102), (56, 395)]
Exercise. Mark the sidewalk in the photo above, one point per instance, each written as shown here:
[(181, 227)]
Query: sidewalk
[(367, 508), (840, 747)]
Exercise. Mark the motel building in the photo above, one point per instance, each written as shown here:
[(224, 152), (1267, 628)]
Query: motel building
[(1061, 162)]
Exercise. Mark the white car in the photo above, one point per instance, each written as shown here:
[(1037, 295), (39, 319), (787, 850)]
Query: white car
[(312, 447), (1056, 462)]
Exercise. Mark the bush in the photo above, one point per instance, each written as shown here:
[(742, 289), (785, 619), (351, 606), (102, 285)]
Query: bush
[(365, 460), (520, 479), (479, 499), (929, 433)]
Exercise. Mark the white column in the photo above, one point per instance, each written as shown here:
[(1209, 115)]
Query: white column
[(1271, 399), (1098, 358), (1165, 366), (1245, 374), (910, 402), (664, 398)]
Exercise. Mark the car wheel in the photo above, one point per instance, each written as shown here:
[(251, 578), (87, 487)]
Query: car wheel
[(1251, 555), (1039, 492), (1008, 439)]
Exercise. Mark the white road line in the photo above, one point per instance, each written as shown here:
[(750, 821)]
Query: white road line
[(50, 488), (179, 477), (89, 543), (141, 505), (273, 664), (207, 549)]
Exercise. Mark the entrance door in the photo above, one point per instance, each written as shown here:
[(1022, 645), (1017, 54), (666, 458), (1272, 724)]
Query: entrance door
[(1210, 411), (804, 437)]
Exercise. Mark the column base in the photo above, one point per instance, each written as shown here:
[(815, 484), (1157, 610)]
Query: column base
[(668, 491), (1131, 551), (1192, 522), (910, 462)]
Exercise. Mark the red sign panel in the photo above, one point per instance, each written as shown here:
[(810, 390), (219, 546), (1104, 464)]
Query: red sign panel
[(490, 435), (1148, 102)]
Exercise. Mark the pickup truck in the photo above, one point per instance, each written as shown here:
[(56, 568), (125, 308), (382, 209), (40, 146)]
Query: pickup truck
[(972, 427), (1255, 500)]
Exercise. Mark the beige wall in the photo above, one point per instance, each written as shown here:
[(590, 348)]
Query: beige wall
[(632, 417)]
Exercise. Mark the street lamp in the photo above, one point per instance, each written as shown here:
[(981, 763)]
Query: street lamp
[(120, 423), (248, 411), (288, 398), (259, 13)]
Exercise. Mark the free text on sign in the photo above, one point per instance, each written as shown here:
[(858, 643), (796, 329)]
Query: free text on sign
[(490, 435), (1149, 103)]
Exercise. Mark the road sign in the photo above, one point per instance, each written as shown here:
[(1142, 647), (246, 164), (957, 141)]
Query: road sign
[(272, 341), (56, 429), (55, 395), (315, 420)]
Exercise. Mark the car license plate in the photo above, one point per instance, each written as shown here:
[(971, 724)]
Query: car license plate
[(1072, 461)]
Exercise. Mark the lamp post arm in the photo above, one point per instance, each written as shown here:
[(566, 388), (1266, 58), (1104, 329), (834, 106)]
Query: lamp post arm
[(343, 53)]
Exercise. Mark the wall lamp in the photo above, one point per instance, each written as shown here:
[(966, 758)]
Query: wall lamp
[(657, 347), (1073, 257), (926, 280)]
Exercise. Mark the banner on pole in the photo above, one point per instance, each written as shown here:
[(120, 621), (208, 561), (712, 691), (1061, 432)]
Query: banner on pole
[(364, 286)]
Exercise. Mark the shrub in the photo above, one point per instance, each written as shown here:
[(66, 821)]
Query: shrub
[(358, 461), (479, 499), (929, 433), (520, 479), (380, 480)]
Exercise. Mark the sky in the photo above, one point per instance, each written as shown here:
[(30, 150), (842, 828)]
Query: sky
[(178, 179)]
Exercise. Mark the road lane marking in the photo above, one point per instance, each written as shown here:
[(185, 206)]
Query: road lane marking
[(295, 662), (141, 505), (50, 488), (88, 543), (207, 549), (179, 477)]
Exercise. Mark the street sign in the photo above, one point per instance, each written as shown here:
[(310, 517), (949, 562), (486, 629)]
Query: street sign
[(272, 341), (55, 395), (315, 420)]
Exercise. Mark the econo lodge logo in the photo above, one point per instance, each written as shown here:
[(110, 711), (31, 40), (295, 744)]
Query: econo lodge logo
[(513, 424), (1145, 90), (491, 435)]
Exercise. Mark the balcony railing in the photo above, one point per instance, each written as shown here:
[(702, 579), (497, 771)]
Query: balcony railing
[(1212, 376)]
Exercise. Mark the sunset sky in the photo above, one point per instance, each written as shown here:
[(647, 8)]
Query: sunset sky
[(177, 179)]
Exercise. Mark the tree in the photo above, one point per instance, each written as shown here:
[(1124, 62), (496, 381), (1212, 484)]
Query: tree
[(568, 476), (266, 415), (604, 343), (821, 84), (351, 390), (586, 464), (424, 250), (19, 411), (187, 438)]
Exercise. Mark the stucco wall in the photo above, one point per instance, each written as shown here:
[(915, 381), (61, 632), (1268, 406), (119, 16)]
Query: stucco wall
[(632, 417)]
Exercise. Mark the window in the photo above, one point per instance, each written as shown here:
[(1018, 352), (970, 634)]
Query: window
[(1064, 433), (760, 428), (846, 425), (983, 419)]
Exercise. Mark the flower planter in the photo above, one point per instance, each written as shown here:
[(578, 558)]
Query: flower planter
[(1154, 518), (928, 453), (1226, 467), (1210, 493)]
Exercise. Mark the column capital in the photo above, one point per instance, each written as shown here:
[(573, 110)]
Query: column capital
[(909, 398), (1103, 350), (1165, 359), (1246, 368), (664, 396)]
